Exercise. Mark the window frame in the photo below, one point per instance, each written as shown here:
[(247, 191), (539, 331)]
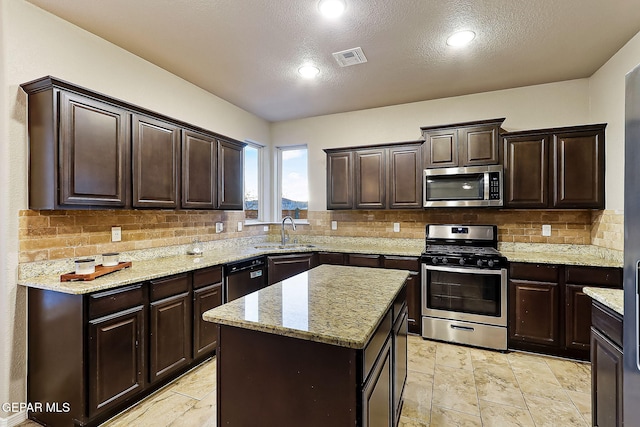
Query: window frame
[(260, 173), (277, 209)]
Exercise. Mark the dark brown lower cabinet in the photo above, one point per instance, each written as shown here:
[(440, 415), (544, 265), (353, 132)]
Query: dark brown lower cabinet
[(606, 367), (400, 361), (414, 287), (104, 351), (116, 358), (364, 260), (548, 310), (377, 393), (282, 267)]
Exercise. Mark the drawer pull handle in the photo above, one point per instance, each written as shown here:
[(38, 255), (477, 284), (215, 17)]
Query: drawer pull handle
[(462, 328)]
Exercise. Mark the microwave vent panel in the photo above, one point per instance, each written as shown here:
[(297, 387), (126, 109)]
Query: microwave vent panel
[(350, 57)]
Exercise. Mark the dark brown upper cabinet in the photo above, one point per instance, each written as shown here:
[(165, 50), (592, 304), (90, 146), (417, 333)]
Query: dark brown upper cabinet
[(230, 175), (555, 168), (91, 151), (156, 163), (340, 180), (375, 177), (462, 144), (199, 181), (79, 151)]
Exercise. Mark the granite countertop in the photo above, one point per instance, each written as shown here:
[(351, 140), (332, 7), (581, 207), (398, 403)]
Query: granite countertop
[(331, 304), (141, 271), (586, 255), (612, 298)]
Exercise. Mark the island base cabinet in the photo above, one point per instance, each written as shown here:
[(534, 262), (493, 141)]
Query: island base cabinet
[(377, 394), (276, 381), (606, 381)]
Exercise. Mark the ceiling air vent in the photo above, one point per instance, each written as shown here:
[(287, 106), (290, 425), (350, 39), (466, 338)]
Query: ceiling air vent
[(350, 57)]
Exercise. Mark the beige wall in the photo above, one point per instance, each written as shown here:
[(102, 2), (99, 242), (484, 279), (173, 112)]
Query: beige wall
[(606, 96), (36, 44), (556, 104)]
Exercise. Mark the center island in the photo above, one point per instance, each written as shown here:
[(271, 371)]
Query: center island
[(324, 347)]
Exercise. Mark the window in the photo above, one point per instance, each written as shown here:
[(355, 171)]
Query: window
[(253, 209), (292, 182)]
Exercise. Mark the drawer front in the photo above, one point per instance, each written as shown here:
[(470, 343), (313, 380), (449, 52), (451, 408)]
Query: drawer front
[(377, 341), (333, 258), (359, 260), (207, 276), (401, 263), (607, 321), (535, 272), (169, 286), (115, 300), (600, 276)]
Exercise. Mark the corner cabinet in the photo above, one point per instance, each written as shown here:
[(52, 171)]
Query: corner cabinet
[(375, 177), (90, 151), (462, 144), (555, 168)]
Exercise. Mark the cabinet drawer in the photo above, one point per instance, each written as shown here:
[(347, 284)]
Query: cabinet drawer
[(169, 286), (536, 272), (401, 263), (359, 260), (377, 341), (333, 258), (115, 300), (207, 276), (608, 322), (601, 276)]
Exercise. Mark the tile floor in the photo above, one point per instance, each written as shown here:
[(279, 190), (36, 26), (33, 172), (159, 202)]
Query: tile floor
[(447, 385)]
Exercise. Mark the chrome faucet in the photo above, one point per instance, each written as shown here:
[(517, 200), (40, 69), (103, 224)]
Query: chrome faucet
[(293, 224)]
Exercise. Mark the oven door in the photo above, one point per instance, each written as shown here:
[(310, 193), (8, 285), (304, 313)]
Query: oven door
[(465, 293)]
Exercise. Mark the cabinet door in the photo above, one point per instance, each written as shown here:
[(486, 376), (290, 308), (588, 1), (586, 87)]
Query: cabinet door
[(400, 358), (282, 267), (94, 153), (577, 318), (441, 149), (526, 171), (170, 336), (205, 334), (156, 162), (116, 358), (405, 177), (230, 176), (479, 145), (606, 381), (340, 180), (578, 168), (533, 312), (377, 393), (370, 170), (198, 171)]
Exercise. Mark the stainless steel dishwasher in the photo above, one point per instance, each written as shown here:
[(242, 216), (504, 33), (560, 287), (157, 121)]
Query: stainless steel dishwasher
[(244, 277)]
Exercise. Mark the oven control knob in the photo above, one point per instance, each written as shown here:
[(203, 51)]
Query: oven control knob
[(490, 263), (461, 261), (434, 260), (479, 263), (444, 260)]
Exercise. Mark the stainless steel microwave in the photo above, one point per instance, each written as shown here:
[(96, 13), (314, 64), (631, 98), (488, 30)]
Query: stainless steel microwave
[(463, 187)]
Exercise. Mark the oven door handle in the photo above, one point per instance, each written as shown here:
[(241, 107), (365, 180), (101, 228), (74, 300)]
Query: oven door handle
[(466, 270)]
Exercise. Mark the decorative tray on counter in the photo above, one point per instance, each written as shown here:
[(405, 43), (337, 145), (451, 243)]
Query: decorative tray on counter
[(101, 270)]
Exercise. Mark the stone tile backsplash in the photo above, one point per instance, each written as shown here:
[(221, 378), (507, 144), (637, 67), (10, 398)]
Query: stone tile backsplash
[(50, 235)]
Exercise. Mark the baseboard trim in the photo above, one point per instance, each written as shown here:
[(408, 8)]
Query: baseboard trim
[(13, 420)]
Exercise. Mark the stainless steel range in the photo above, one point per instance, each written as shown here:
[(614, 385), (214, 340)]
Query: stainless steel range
[(464, 286)]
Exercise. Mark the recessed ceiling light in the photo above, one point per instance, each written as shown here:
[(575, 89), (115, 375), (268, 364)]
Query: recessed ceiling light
[(331, 8), (308, 71), (461, 38)]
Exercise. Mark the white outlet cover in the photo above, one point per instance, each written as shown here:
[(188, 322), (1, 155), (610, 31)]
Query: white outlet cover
[(239, 225), (116, 234), (546, 230), (334, 225), (265, 228), (396, 227), (219, 227)]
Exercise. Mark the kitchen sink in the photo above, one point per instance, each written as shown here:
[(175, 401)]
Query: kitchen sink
[(286, 246)]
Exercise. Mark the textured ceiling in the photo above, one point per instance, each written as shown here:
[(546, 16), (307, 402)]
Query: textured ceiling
[(248, 51)]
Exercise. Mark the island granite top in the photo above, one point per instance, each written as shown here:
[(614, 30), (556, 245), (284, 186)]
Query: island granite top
[(331, 304)]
